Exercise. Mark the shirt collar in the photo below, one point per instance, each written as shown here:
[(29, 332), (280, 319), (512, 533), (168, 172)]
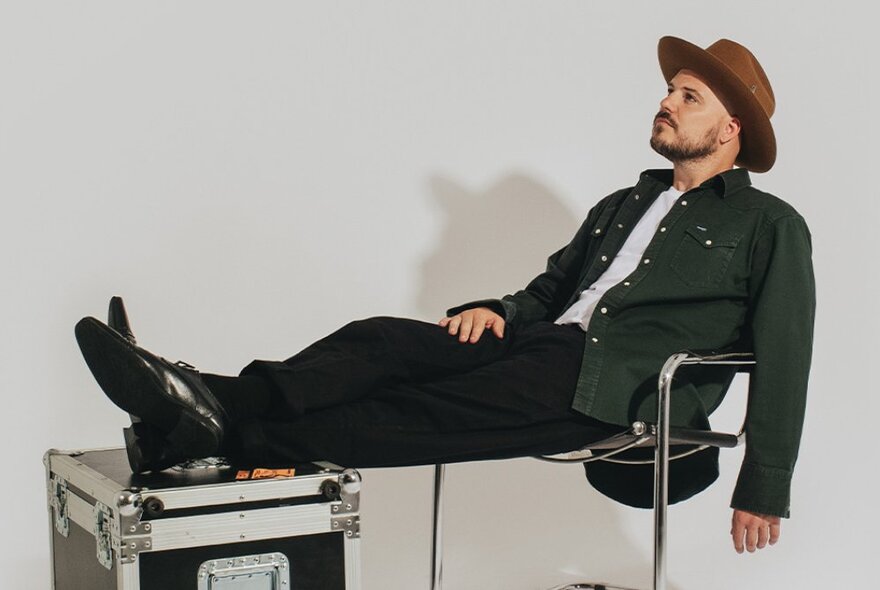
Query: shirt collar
[(723, 184)]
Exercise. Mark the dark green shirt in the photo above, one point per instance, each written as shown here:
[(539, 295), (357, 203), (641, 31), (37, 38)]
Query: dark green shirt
[(729, 268)]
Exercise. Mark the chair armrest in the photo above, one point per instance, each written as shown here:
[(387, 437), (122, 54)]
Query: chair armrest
[(663, 431), (744, 360), (690, 436)]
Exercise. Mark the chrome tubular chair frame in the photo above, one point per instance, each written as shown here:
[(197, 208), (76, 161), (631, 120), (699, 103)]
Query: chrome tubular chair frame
[(660, 436)]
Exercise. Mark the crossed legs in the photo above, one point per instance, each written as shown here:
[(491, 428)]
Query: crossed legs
[(377, 392), (391, 391)]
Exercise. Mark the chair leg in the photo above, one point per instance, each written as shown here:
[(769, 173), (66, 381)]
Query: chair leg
[(661, 499), (661, 468), (437, 558)]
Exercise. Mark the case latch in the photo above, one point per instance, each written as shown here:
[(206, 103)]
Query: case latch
[(103, 534), (58, 502)]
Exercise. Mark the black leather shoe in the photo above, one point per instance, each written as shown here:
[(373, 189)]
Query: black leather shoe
[(118, 320), (145, 445), (169, 397)]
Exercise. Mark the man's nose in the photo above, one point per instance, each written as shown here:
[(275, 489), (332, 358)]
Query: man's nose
[(668, 104)]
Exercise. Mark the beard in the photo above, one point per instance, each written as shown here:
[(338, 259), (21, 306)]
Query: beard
[(685, 150)]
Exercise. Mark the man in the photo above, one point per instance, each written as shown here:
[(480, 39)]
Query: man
[(692, 258)]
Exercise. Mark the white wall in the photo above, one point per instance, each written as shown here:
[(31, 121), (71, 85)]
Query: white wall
[(252, 175)]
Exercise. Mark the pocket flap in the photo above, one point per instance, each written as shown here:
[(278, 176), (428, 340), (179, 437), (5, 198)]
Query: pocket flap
[(710, 238)]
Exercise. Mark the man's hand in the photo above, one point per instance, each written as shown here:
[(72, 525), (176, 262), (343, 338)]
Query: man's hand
[(470, 324), (756, 529)]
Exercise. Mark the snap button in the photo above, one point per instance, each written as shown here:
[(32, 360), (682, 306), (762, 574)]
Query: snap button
[(604, 310), (604, 258), (708, 242), (620, 225), (636, 197), (596, 340), (647, 261), (684, 203), (599, 231), (626, 283)]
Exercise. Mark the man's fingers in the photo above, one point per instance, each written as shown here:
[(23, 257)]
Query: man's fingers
[(752, 537), (763, 535), (453, 324), (470, 324), (464, 330), (757, 530), (477, 331), (775, 531), (737, 532)]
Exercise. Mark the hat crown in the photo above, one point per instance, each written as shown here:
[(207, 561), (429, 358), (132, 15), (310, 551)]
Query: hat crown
[(743, 64)]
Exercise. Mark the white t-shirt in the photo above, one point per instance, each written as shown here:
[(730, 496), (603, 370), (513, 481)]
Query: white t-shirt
[(624, 263)]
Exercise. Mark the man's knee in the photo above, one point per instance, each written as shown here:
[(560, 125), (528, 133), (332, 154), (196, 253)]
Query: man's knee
[(373, 327)]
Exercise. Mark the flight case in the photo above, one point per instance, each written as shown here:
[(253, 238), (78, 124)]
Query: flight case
[(200, 526)]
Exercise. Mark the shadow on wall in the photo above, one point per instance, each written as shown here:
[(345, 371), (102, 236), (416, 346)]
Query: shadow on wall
[(517, 523), (492, 243)]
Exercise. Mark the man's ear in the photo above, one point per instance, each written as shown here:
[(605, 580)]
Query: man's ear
[(731, 129)]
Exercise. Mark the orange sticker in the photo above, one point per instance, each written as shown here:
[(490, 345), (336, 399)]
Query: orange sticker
[(263, 473)]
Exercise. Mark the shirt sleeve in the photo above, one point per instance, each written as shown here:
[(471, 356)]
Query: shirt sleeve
[(781, 315), (546, 294)]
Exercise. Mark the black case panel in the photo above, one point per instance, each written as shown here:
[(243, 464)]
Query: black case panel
[(76, 562), (113, 464), (317, 562)]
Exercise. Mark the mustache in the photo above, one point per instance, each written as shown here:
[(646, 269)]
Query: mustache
[(666, 117)]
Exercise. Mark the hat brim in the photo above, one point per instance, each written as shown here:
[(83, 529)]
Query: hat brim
[(757, 139)]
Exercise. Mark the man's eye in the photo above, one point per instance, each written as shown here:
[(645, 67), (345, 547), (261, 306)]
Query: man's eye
[(690, 98)]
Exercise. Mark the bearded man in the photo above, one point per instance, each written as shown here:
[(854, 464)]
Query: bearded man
[(688, 258)]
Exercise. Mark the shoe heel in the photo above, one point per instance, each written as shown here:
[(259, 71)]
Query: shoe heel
[(138, 457), (117, 319), (190, 439)]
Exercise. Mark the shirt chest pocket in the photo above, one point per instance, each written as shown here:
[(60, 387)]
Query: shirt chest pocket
[(702, 257)]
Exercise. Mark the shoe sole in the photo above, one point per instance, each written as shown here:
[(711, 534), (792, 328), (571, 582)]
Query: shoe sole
[(133, 388)]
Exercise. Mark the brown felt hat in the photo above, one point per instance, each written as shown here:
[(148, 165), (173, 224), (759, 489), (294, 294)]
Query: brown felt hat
[(733, 73)]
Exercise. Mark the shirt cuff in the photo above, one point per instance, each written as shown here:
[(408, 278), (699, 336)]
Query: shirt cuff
[(763, 490)]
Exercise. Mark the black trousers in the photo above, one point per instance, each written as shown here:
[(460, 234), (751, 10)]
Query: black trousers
[(391, 392)]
